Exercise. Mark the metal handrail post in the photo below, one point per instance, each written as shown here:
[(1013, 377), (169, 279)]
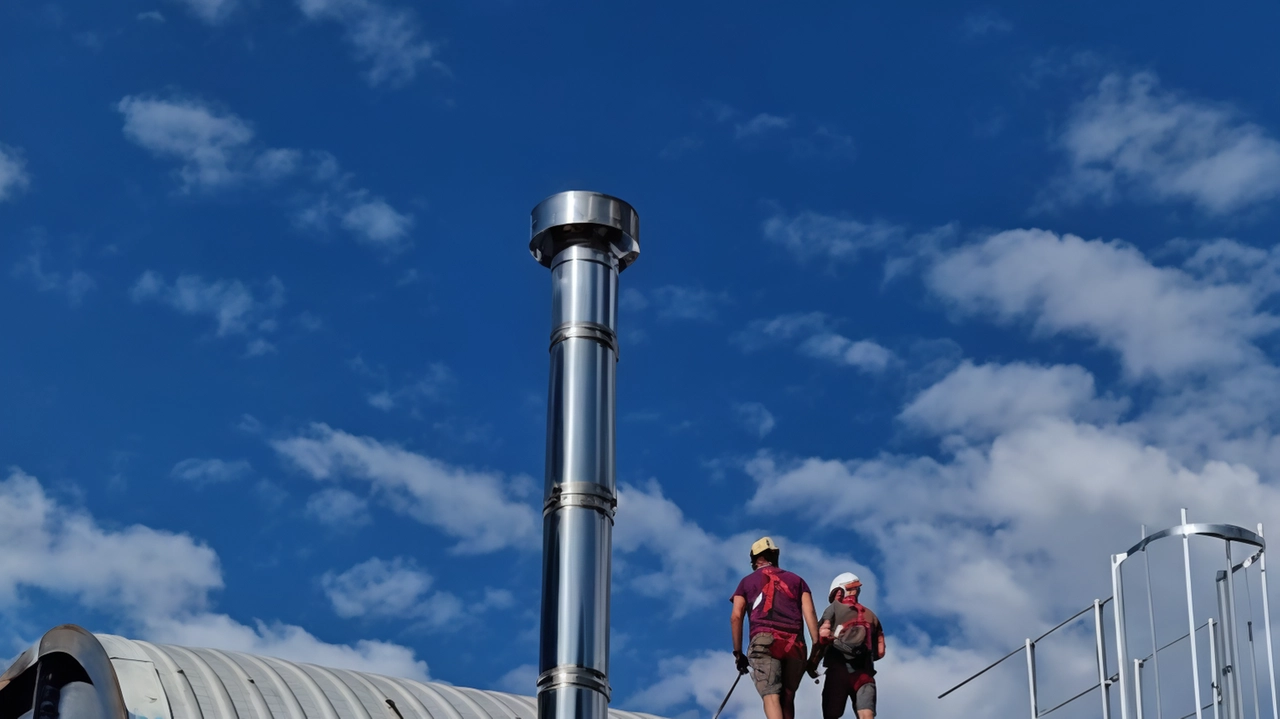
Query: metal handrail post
[(1103, 684), (1216, 671), (1137, 687), (1031, 678), (1117, 610), (1233, 637), (1191, 618), (1266, 619)]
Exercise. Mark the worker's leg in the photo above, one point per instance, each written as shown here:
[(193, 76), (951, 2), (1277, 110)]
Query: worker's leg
[(835, 692), (773, 706), (865, 701), (792, 674), (766, 672)]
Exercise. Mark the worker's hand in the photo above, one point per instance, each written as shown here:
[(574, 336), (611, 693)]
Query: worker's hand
[(813, 670), (741, 660), (824, 632)]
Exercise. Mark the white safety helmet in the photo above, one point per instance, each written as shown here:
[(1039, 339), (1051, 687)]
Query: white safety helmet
[(842, 581)]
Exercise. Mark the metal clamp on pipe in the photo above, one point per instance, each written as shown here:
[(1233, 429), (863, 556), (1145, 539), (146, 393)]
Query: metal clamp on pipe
[(573, 675), (586, 330), (581, 494)]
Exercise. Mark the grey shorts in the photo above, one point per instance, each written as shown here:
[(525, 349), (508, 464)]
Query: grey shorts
[(770, 674), (838, 690)]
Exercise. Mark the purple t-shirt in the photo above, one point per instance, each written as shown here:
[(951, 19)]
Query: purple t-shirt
[(785, 615)]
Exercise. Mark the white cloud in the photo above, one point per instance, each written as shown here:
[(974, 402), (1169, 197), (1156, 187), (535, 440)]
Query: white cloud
[(762, 333), (523, 680), (811, 235), (157, 583), (391, 590), (760, 125), (676, 302), (338, 508), (151, 16), (216, 151), (696, 567), (985, 22), (1133, 138), (985, 400), (210, 11), (210, 471), (431, 386), (13, 173), (755, 418), (1162, 321), (286, 641), (474, 507), (75, 284), (865, 355), (387, 39), (213, 147), (230, 303), (59, 549), (378, 223)]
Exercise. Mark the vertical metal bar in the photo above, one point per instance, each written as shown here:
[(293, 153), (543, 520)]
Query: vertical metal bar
[(1137, 687), (1224, 646), (1101, 646), (1253, 663), (1191, 618), (1117, 611), (1214, 669), (1151, 619), (585, 239), (1031, 678), (1233, 638), (1266, 619)]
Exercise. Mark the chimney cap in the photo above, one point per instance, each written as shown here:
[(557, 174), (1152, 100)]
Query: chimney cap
[(569, 218)]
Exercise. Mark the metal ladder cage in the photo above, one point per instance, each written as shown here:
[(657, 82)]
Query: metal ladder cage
[(1221, 634)]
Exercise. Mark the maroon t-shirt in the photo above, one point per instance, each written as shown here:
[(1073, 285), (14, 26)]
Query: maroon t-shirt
[(785, 614)]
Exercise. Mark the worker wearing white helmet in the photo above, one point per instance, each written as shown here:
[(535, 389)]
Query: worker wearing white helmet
[(850, 640), (778, 605)]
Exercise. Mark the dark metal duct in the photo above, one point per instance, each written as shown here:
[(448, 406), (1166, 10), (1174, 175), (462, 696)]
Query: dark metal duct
[(586, 239)]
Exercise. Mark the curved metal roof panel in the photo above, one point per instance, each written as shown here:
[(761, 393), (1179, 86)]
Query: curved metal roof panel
[(159, 681)]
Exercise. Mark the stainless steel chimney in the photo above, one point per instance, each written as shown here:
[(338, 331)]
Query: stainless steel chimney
[(586, 238)]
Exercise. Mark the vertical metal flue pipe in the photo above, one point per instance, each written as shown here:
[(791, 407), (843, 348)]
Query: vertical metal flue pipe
[(586, 239)]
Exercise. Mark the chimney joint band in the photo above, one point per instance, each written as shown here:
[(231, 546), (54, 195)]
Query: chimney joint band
[(586, 330), (581, 494), (575, 675)]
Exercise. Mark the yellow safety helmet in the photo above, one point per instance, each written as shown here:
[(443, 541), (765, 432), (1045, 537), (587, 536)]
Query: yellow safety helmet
[(762, 545)]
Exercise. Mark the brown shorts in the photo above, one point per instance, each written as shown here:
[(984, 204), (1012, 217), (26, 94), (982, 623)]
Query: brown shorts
[(839, 689), (770, 674)]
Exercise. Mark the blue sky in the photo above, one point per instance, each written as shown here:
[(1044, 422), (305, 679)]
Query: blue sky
[(955, 296)]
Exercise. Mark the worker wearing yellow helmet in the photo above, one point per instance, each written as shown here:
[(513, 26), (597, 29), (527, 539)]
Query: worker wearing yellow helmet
[(778, 605)]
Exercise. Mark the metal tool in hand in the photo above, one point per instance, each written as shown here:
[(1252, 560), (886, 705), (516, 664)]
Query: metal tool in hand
[(726, 696)]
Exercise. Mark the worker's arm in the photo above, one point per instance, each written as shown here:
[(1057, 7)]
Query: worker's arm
[(810, 617), (880, 646), (735, 622)]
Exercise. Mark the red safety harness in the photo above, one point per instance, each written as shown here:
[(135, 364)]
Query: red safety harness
[(858, 676), (784, 644)]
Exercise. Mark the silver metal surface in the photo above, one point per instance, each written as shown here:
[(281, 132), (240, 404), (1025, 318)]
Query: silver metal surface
[(1101, 650), (1266, 620), (1191, 608), (586, 239), (81, 646), (154, 681), (1228, 661), (590, 217), (1229, 532), (1122, 655), (1031, 678), (1215, 668), (1151, 621), (1233, 635)]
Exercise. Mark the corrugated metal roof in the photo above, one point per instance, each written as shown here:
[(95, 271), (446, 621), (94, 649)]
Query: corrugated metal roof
[(160, 681)]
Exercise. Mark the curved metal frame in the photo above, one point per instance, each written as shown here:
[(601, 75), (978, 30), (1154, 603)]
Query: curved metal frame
[(1226, 532), (85, 650)]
